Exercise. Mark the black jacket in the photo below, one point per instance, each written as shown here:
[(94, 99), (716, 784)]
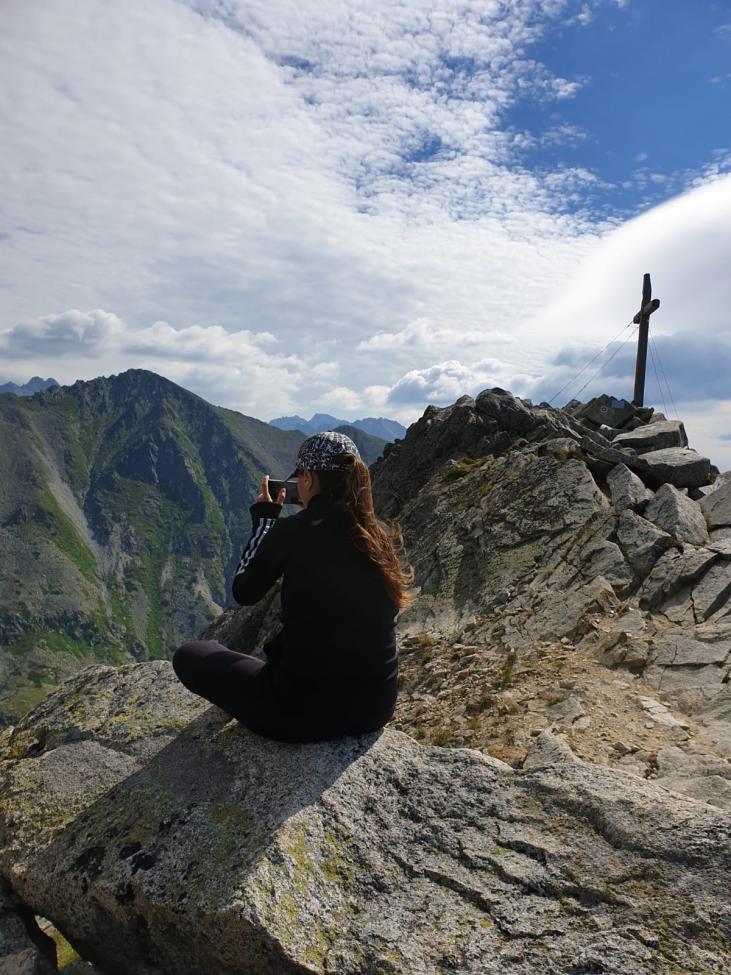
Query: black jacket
[(337, 647)]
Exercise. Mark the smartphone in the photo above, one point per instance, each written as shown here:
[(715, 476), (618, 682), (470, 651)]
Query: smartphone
[(290, 486)]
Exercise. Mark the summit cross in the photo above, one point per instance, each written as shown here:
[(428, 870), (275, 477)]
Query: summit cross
[(642, 318)]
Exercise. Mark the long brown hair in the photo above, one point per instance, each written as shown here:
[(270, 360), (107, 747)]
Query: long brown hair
[(350, 491)]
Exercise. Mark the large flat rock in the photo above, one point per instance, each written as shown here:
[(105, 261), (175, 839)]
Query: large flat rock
[(679, 466), (720, 541), (706, 777), (221, 852), (678, 648), (607, 410), (653, 436)]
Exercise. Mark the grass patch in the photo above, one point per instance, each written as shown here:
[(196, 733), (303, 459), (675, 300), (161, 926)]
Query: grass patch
[(65, 536), (505, 678), (441, 736), (65, 954), (52, 639), (465, 465)]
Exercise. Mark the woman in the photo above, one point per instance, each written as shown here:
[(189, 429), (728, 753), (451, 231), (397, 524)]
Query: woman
[(332, 669)]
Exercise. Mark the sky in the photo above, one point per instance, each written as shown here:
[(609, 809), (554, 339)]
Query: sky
[(295, 206)]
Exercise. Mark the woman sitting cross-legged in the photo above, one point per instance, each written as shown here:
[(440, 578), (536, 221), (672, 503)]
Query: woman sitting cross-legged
[(332, 669)]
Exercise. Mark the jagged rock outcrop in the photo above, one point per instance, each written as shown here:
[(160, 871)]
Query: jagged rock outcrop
[(539, 532), (162, 838), (627, 489), (682, 518)]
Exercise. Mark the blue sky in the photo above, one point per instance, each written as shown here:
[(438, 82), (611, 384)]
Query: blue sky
[(295, 206), (653, 106)]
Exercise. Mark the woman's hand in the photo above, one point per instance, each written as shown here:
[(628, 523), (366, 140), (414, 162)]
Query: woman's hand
[(265, 496)]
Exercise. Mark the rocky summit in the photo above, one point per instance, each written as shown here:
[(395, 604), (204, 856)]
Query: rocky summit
[(560, 801), (161, 837)]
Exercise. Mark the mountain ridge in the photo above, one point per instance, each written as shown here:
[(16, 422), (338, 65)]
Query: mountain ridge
[(123, 510), (380, 427), (34, 385)]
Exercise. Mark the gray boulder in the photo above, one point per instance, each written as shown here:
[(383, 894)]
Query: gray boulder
[(626, 488), (716, 505), (673, 571), (713, 591), (641, 542), (220, 851), (676, 514), (605, 410), (679, 466), (653, 436)]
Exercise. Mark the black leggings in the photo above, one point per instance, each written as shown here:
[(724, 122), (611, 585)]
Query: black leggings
[(241, 685)]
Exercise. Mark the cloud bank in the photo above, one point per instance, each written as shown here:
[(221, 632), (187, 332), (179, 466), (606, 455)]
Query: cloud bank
[(291, 207)]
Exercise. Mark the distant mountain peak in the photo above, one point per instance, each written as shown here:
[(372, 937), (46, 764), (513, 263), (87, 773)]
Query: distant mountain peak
[(380, 427), (34, 385)]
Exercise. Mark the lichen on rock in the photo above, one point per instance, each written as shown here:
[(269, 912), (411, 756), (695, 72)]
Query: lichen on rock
[(212, 849)]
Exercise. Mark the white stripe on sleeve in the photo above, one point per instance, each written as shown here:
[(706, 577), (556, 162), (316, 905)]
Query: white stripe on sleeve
[(254, 542)]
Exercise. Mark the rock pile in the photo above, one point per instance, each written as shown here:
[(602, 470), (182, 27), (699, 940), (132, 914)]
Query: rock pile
[(161, 837), (531, 529)]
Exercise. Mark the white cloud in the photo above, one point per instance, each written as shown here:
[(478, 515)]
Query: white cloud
[(291, 206), (197, 343), (678, 242), (241, 369), (427, 334), (446, 381), (584, 16), (73, 332)]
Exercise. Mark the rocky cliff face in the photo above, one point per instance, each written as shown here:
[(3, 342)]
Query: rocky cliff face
[(123, 509), (162, 838), (552, 548)]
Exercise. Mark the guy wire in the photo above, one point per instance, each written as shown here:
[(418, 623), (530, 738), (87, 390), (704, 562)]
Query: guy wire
[(657, 379), (618, 349), (593, 359), (662, 369)]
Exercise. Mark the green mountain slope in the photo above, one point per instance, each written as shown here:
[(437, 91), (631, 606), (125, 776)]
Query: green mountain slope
[(123, 510)]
